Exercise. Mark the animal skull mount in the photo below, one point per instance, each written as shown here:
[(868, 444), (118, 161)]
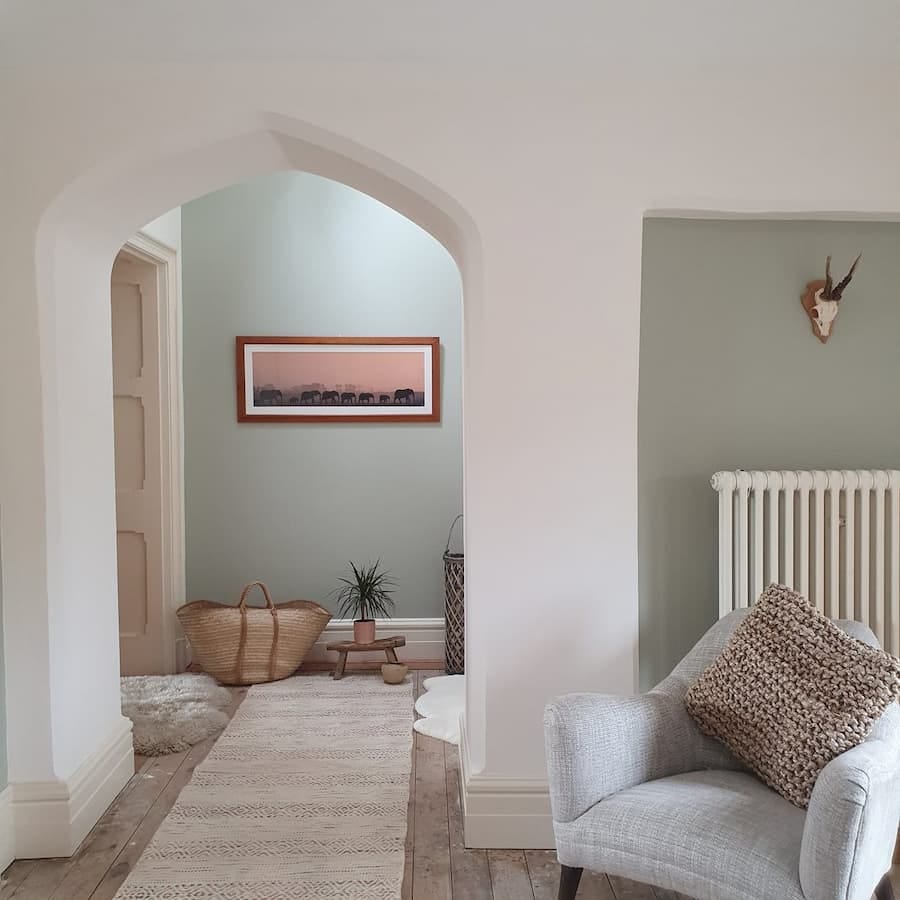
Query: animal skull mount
[(821, 299)]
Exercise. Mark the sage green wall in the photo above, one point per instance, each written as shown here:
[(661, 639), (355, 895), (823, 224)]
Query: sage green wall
[(290, 504), (731, 377)]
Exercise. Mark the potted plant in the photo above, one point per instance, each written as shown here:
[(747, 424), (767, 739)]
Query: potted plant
[(366, 594)]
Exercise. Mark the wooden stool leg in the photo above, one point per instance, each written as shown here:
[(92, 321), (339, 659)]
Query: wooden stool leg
[(391, 655), (341, 665)]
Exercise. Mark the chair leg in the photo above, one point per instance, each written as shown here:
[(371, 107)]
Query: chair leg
[(568, 882), (884, 891)]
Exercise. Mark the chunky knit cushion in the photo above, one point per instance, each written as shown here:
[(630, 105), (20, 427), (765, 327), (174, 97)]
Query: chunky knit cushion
[(791, 691)]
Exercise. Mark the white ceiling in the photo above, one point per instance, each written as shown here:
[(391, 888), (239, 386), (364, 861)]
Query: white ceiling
[(820, 33)]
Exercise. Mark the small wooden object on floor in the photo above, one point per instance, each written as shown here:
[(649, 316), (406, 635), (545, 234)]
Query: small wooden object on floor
[(387, 644)]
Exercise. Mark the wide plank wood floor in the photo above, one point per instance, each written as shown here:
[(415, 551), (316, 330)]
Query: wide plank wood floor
[(438, 867)]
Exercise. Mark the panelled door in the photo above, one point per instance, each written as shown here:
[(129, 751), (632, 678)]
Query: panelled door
[(138, 449)]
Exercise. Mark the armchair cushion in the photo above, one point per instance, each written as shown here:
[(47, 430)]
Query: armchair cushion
[(598, 744), (709, 835), (791, 691)]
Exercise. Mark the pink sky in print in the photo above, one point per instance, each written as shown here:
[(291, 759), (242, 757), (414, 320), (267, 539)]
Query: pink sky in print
[(366, 371)]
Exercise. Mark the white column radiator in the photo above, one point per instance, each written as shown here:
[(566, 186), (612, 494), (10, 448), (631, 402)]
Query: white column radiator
[(833, 536)]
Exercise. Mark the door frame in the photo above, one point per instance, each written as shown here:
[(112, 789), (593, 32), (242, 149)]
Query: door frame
[(164, 259)]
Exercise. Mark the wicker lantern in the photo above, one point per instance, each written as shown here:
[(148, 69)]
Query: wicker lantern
[(454, 607)]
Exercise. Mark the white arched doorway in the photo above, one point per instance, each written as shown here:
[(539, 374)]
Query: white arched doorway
[(68, 758)]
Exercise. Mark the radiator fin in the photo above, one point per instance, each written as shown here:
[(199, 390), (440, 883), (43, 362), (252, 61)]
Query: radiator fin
[(832, 535)]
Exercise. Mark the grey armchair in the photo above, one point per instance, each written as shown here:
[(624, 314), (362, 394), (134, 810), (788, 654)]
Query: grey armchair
[(638, 791)]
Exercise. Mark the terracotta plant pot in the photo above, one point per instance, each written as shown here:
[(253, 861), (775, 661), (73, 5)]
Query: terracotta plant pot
[(364, 631), (393, 673)]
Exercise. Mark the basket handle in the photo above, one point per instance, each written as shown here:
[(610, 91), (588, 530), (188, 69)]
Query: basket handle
[(247, 588), (242, 645), (450, 535)]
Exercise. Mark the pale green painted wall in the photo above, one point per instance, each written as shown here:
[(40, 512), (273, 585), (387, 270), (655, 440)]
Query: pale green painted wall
[(732, 377), (294, 254)]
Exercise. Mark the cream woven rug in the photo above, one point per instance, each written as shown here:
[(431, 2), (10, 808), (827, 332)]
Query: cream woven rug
[(303, 796)]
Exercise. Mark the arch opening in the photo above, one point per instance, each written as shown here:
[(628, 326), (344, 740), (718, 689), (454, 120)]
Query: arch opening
[(77, 240)]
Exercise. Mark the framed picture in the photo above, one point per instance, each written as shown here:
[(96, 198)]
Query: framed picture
[(330, 379)]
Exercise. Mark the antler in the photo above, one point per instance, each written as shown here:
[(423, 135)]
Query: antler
[(839, 288), (826, 291)]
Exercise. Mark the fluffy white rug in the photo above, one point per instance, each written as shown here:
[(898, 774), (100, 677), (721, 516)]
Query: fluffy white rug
[(173, 712), (441, 706)]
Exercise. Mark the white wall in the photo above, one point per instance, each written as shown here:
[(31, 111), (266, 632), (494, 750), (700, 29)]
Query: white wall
[(553, 170)]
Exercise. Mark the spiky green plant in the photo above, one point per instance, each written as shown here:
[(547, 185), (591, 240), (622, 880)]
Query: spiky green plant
[(366, 594)]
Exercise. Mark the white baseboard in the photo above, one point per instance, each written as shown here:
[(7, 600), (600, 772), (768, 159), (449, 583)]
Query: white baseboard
[(7, 838), (51, 818), (503, 813), (424, 639)]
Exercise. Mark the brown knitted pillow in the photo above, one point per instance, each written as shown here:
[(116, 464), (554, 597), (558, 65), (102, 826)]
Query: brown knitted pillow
[(791, 691)]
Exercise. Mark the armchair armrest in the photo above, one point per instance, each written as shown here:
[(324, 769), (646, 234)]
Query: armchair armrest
[(851, 824), (598, 744)]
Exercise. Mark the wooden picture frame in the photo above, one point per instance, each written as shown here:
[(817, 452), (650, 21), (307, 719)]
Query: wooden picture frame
[(338, 379)]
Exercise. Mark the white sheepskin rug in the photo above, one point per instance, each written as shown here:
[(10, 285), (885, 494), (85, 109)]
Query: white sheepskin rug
[(173, 712), (441, 706)]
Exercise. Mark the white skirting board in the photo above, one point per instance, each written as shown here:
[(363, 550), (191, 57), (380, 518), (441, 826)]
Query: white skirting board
[(424, 639), (7, 838), (51, 818), (503, 813)]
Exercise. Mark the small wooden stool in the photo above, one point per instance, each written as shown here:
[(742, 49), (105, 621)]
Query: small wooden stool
[(344, 647)]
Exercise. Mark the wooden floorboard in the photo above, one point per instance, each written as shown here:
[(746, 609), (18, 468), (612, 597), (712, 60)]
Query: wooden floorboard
[(437, 865), (663, 894), (14, 876), (44, 879), (407, 886), (114, 874), (595, 886), (431, 841), (509, 875), (107, 840), (625, 889), (544, 871), (470, 873)]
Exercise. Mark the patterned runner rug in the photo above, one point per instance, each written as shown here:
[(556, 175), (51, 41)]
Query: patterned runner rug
[(303, 796)]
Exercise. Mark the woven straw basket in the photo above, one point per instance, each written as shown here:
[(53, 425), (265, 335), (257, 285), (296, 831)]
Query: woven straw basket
[(249, 644)]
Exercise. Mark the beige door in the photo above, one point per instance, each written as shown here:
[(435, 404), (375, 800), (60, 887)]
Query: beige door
[(137, 416)]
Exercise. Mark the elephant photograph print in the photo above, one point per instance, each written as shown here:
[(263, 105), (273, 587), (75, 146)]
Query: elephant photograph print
[(331, 379)]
